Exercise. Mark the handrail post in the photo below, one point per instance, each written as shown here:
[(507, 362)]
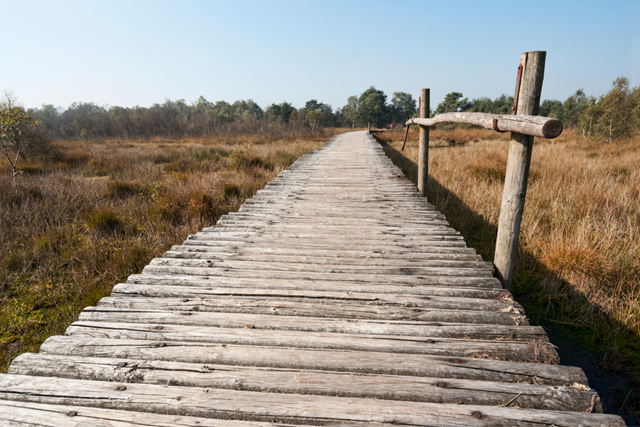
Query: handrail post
[(529, 89), (423, 154)]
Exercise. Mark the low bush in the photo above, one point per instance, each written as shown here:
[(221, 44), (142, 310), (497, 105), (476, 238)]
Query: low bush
[(105, 220), (123, 189)]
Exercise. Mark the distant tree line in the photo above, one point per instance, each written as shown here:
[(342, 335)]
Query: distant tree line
[(613, 115), (179, 119), (609, 117)]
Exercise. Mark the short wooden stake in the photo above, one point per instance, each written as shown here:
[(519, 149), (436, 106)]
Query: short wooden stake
[(529, 89), (423, 139)]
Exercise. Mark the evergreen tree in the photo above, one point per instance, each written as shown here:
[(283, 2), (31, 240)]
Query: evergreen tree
[(349, 111), (453, 103), (403, 106), (372, 108)]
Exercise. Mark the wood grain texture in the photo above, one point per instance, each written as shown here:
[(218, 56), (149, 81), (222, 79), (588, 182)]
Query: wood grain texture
[(423, 143), (542, 127), (101, 345), (19, 414), (336, 296), (441, 337), (293, 381), (247, 405), (517, 173)]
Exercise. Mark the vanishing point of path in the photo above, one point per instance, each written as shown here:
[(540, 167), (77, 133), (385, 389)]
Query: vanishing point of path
[(337, 296)]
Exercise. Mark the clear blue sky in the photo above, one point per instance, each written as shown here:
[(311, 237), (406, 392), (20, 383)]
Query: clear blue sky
[(140, 52)]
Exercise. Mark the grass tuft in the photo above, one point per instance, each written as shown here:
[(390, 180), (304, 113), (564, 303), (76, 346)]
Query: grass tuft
[(105, 220), (123, 189)]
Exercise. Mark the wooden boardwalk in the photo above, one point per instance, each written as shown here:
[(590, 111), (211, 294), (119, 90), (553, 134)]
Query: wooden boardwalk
[(337, 296)]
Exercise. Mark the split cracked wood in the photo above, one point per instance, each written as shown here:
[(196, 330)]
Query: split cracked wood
[(273, 380), (248, 405), (542, 127)]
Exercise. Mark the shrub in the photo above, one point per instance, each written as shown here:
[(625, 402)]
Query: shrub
[(201, 203), (123, 189), (75, 159), (239, 156), (161, 158), (106, 221), (31, 169), (179, 165), (230, 191), (170, 207)]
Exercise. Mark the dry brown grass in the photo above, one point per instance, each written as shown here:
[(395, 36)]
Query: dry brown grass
[(82, 222), (579, 254)]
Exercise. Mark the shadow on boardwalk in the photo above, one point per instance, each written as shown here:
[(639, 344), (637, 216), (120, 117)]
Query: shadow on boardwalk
[(613, 387)]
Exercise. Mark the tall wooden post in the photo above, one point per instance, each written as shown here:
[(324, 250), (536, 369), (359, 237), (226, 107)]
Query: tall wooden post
[(527, 101), (423, 139)]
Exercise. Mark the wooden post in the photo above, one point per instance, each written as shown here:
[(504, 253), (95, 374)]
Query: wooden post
[(529, 89), (369, 126), (423, 155)]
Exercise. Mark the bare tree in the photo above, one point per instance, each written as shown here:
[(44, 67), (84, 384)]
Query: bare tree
[(19, 134)]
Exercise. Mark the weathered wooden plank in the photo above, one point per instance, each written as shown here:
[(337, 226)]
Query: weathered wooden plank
[(400, 279), (361, 222), (178, 335), (379, 206), (317, 359), (470, 291), (436, 239), (278, 307), (249, 253), (200, 260), (272, 380), (329, 228), (294, 323), (21, 414), (433, 227), (351, 224), (328, 242), (408, 249), (406, 211), (218, 403), (340, 217), (271, 197), (231, 259), (265, 337), (443, 269), (322, 228), (325, 297)]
